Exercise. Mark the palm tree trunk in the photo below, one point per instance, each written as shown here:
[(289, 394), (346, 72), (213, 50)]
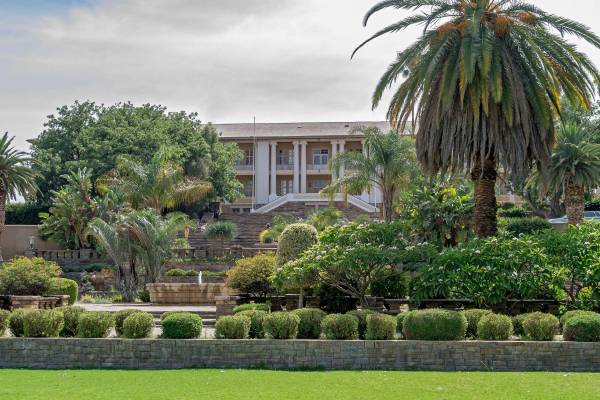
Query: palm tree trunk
[(388, 206), (2, 214), (574, 201), (484, 177)]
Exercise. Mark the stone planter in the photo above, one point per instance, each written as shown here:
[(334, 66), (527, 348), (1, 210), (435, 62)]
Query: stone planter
[(38, 302)]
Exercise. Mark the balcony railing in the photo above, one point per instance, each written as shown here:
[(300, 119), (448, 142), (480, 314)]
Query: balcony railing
[(285, 167), (244, 167), (318, 167)]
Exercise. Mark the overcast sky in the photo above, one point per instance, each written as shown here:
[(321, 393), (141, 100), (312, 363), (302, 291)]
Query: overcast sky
[(228, 60)]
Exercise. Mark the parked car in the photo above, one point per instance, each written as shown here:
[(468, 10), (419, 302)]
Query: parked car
[(589, 216)]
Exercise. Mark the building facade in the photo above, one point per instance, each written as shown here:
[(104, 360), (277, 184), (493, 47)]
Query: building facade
[(289, 163)]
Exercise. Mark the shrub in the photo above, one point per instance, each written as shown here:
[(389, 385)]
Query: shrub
[(181, 272), (24, 276), (166, 314), (250, 306), (4, 316), (494, 327), (281, 325), (539, 326), (181, 325), (340, 327), (582, 328), (525, 226), (517, 322), (257, 318), (233, 327), (221, 230), (361, 315), (16, 321), (24, 213), (252, 275), (71, 317), (293, 241), (574, 313), (473, 316), (143, 295), (43, 323), (434, 324), (138, 325), (334, 301), (380, 327), (95, 324), (310, 322), (64, 286), (400, 321), (512, 213), (120, 317), (390, 284)]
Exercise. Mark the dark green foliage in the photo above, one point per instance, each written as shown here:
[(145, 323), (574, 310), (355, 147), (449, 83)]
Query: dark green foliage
[(390, 284), (473, 316), (517, 321), (540, 327), (233, 327), (582, 328), (513, 213), (380, 327), (400, 321), (434, 324), (293, 241), (524, 226), (24, 276), (257, 318), (24, 213), (64, 286), (181, 325), (181, 272), (138, 325), (574, 313), (4, 316), (71, 317), (340, 327), (143, 295), (16, 321), (251, 306), (310, 322), (334, 301), (361, 316), (494, 327), (281, 325), (120, 317), (95, 324), (169, 313), (43, 323)]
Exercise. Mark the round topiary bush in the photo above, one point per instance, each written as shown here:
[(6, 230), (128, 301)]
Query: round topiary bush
[(582, 328), (64, 286), (16, 321), (517, 322), (4, 316), (361, 315), (310, 322), (340, 327), (95, 324), (252, 275), (169, 313), (281, 325), (434, 324), (43, 323), (294, 240), (182, 325), (138, 325), (473, 316), (494, 327), (540, 327), (120, 317), (574, 313), (250, 306), (380, 327), (71, 316), (257, 318), (232, 327)]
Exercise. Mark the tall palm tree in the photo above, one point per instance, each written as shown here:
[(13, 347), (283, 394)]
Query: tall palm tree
[(386, 162), (16, 177), (485, 79), (575, 168), (159, 184)]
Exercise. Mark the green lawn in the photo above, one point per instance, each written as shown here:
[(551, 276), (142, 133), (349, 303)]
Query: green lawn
[(251, 384)]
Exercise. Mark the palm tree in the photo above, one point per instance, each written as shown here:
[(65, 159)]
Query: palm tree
[(485, 79), (575, 168), (159, 184), (386, 162), (16, 177)]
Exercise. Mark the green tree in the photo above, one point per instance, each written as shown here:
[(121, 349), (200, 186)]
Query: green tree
[(16, 177), (485, 79), (387, 162)]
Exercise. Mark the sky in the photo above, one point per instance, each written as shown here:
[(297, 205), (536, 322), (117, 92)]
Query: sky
[(227, 60)]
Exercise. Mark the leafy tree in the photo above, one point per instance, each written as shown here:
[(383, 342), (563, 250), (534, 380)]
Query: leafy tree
[(485, 79), (323, 219), (387, 162), (16, 177)]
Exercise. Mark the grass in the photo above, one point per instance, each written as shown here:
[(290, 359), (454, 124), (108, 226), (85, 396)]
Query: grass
[(265, 385)]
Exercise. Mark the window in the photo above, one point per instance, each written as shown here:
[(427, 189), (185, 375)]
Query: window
[(320, 156), (318, 184), (285, 157), (248, 186), (285, 187), (247, 159)]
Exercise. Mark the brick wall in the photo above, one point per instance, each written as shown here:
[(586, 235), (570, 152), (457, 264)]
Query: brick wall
[(363, 355)]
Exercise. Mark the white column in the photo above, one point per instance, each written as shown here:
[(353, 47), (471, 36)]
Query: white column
[(273, 191), (365, 194), (261, 172), (342, 144), (334, 144), (303, 162), (296, 167)]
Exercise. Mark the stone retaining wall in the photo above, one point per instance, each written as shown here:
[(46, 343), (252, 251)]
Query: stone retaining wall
[(295, 354), (186, 293)]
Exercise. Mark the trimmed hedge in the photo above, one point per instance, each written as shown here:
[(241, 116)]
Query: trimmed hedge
[(400, 321), (43, 323), (525, 226), (64, 286), (340, 327), (257, 318), (582, 328), (540, 327), (232, 327), (120, 317), (281, 325), (71, 316), (4, 316), (473, 316), (361, 315), (181, 325), (181, 272), (310, 322), (434, 324), (574, 313), (294, 240), (250, 306), (380, 327), (517, 321), (95, 324), (494, 327), (16, 321), (138, 325), (169, 313)]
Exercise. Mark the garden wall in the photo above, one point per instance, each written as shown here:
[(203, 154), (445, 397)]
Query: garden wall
[(295, 354)]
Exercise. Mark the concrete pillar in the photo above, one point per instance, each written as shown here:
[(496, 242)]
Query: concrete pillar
[(303, 162), (273, 191), (342, 144), (334, 144), (296, 167), (261, 172)]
